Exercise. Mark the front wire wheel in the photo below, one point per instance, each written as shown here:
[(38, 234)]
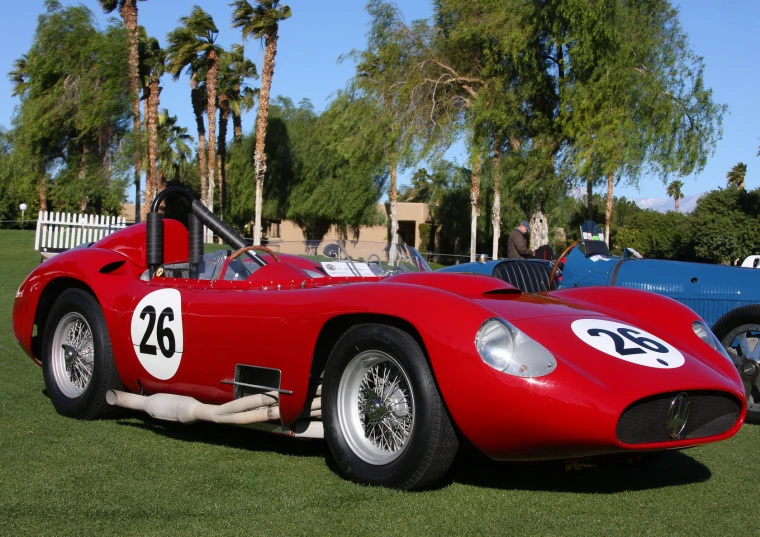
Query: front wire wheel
[(77, 363), (376, 407), (72, 355), (384, 419)]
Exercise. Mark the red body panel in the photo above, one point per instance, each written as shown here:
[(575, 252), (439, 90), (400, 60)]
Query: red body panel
[(274, 318)]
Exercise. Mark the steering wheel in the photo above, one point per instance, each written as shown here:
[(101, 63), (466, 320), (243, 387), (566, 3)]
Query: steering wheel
[(258, 248), (369, 259), (553, 274)]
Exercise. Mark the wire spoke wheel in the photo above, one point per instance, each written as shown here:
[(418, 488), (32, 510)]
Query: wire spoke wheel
[(743, 346), (376, 407), (73, 355)]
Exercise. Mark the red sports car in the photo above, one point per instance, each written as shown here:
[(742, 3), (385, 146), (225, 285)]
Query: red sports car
[(393, 364)]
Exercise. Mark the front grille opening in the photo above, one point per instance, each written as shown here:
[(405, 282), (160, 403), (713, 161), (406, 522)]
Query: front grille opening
[(710, 413)]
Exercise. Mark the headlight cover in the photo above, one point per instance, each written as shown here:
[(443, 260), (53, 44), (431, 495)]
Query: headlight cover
[(706, 335), (507, 349)]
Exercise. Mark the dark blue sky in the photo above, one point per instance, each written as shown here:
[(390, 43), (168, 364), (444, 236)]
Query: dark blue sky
[(723, 32)]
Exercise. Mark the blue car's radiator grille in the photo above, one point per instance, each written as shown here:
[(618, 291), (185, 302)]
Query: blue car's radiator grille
[(710, 413)]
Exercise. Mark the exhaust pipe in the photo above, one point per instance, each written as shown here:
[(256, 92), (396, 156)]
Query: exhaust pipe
[(246, 410)]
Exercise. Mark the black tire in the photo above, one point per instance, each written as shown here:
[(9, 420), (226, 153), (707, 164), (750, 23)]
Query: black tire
[(735, 324), (76, 343), (426, 452)]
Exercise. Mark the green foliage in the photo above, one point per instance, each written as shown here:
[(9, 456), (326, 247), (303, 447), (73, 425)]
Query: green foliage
[(256, 21), (735, 176), (425, 234), (74, 112), (725, 225), (318, 173)]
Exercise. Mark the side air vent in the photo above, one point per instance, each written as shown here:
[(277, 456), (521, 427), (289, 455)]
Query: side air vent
[(111, 267), (251, 380)]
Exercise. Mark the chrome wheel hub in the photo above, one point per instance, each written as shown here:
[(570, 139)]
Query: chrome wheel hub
[(72, 355), (376, 407), (744, 349)]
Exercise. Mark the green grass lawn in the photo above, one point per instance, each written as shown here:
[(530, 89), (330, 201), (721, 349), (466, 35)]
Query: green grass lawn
[(135, 476)]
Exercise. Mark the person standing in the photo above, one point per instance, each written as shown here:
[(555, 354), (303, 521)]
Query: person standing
[(517, 245)]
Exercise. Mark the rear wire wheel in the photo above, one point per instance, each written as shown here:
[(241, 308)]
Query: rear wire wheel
[(77, 364), (385, 422)]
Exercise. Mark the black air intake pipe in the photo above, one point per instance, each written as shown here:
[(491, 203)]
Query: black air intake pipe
[(154, 247), (210, 220)]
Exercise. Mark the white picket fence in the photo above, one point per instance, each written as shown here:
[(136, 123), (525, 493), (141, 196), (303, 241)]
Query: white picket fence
[(57, 232)]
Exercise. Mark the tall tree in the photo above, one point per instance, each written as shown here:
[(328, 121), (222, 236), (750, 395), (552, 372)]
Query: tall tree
[(153, 62), (193, 46), (234, 96), (735, 176), (260, 22), (128, 12), (635, 97), (173, 152), (674, 191), (379, 69), (74, 108)]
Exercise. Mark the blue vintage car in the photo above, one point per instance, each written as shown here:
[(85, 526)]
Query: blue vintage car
[(727, 298)]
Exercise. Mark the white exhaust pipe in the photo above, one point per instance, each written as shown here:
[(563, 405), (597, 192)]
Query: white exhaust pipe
[(165, 406)]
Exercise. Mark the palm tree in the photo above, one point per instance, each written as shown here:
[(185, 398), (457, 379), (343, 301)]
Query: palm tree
[(193, 46), (261, 21), (152, 62), (128, 12), (674, 191), (174, 151), (241, 94), (234, 69), (735, 177)]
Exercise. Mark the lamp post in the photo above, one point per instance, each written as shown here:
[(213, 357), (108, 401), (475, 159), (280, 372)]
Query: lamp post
[(23, 208)]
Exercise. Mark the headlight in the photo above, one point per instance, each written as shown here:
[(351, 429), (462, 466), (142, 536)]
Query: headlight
[(507, 349), (706, 335)]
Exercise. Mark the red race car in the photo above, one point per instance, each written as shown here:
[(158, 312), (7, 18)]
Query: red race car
[(393, 364)]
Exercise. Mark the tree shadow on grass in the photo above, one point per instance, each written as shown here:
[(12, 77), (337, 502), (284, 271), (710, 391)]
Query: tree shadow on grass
[(470, 467), (230, 436), (602, 476)]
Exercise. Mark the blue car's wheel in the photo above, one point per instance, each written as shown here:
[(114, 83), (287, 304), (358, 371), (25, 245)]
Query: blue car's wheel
[(739, 332)]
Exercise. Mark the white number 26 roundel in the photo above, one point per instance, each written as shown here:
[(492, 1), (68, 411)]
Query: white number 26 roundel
[(628, 343), (157, 332)]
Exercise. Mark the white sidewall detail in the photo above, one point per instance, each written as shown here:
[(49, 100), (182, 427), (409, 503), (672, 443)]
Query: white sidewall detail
[(158, 365), (600, 334)]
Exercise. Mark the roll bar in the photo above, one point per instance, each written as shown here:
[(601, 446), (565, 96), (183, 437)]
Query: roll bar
[(199, 216)]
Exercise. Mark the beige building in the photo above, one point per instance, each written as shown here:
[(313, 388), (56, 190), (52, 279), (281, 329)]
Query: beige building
[(410, 216)]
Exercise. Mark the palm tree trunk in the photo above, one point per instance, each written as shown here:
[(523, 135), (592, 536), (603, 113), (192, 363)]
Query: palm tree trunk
[(589, 198), (151, 117), (128, 12), (237, 127), (259, 157), (198, 110), (474, 201), (211, 80), (608, 212), (224, 115), (676, 198), (393, 196), (496, 213), (82, 175), (42, 193)]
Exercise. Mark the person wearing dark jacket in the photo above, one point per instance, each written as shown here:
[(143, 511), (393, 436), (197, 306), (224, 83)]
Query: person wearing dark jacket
[(517, 246)]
